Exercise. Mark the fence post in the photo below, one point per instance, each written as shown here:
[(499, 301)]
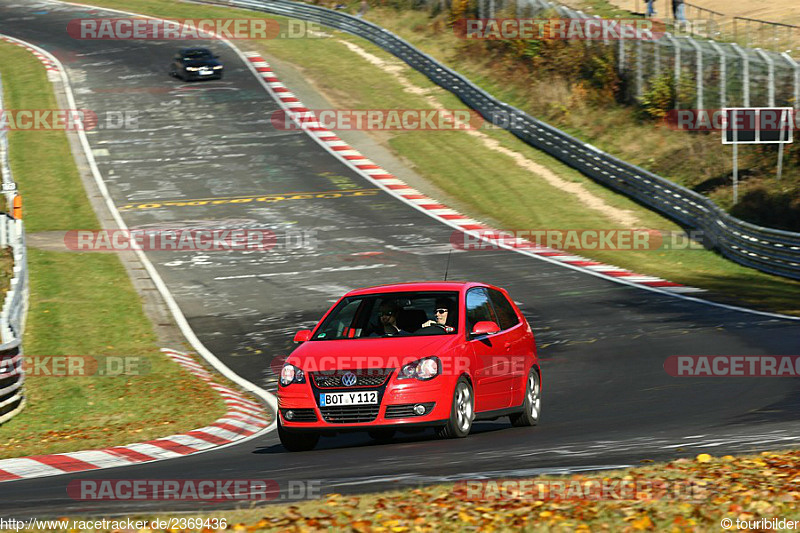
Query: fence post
[(796, 66), (770, 75), (699, 72), (621, 56), (677, 75), (745, 74), (657, 59), (639, 67), (723, 74)]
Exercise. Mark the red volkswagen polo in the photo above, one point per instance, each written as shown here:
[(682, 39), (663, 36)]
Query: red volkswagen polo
[(409, 356)]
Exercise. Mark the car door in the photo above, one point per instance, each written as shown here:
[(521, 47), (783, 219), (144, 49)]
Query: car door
[(514, 334), (492, 377)]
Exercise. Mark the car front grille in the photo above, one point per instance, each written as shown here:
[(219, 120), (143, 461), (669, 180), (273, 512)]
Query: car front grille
[(300, 415), (350, 414), (406, 410), (368, 377)]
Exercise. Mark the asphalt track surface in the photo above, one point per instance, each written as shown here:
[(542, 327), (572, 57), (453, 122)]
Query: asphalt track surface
[(607, 399)]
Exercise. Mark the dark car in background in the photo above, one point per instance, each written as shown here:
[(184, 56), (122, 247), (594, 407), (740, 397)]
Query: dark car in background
[(196, 64)]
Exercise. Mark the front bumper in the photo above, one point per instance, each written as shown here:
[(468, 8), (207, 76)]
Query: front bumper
[(303, 396)]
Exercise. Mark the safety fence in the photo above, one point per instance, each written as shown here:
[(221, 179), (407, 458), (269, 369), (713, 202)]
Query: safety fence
[(716, 74), (766, 249), (15, 306)]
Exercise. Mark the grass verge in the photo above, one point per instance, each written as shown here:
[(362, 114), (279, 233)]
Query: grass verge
[(683, 495), (489, 184), (83, 304)]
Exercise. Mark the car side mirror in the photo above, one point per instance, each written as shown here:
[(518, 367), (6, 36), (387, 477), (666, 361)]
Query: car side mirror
[(216, 56), (302, 336), (484, 327)]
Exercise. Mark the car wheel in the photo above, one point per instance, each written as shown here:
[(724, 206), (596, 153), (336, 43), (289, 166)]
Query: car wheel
[(462, 412), (297, 442), (381, 435), (220, 76), (532, 405)]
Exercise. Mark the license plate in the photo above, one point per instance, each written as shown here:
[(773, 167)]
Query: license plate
[(205, 72), (328, 399)]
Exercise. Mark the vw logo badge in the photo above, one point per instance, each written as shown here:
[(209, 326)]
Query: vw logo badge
[(348, 379)]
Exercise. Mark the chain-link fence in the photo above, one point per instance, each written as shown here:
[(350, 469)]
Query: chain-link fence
[(708, 74)]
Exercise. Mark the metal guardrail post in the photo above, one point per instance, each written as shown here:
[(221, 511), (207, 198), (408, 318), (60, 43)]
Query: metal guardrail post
[(723, 74), (639, 67), (745, 73), (770, 76), (796, 68), (699, 70), (677, 66)]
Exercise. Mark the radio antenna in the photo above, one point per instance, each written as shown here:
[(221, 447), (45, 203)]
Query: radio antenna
[(447, 268)]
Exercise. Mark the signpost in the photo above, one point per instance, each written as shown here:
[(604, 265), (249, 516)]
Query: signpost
[(756, 125)]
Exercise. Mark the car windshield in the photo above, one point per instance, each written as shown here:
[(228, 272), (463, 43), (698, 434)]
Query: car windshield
[(197, 54), (392, 315)]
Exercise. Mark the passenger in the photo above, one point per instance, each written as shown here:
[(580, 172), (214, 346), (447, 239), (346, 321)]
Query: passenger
[(443, 315)]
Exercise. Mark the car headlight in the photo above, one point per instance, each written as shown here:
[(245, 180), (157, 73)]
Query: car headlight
[(291, 374), (423, 370), (217, 67)]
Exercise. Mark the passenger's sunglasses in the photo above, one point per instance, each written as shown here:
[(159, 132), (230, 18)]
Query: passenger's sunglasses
[(441, 311), (385, 313)]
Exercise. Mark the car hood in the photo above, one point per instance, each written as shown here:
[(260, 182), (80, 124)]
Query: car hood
[(383, 352)]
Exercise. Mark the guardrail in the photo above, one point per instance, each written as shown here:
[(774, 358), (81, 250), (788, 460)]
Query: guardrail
[(766, 249), (15, 307)]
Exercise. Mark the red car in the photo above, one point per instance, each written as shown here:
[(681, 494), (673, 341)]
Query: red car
[(409, 356)]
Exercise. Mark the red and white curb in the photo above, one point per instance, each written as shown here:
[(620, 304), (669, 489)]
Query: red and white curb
[(243, 418), (49, 65), (390, 183)]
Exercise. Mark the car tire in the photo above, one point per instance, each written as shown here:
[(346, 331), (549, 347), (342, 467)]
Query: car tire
[(532, 405), (462, 412), (381, 435), (297, 442)]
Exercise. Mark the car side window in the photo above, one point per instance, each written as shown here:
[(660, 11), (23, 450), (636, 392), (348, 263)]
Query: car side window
[(505, 311), (343, 325), (479, 308)]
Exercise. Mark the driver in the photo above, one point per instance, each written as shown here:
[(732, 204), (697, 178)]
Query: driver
[(387, 315), (442, 312)]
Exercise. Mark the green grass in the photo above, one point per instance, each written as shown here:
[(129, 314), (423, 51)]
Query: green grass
[(487, 184), (83, 304)]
